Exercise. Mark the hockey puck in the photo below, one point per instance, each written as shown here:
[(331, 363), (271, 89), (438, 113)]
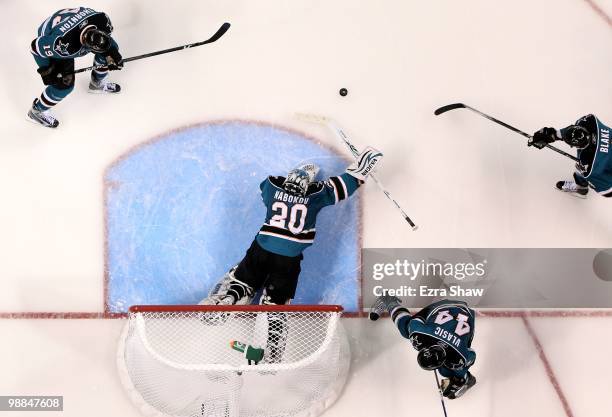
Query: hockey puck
[(343, 92)]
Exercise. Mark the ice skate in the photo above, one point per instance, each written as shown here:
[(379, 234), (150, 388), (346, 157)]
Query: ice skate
[(218, 300), (216, 318), (455, 387), (572, 188), (103, 86), (43, 118)]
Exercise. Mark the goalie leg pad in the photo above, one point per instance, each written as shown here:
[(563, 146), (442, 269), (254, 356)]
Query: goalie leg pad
[(240, 292), (229, 290), (277, 331)]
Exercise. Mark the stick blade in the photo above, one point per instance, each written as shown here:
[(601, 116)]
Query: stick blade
[(312, 118), (220, 32), (449, 107)]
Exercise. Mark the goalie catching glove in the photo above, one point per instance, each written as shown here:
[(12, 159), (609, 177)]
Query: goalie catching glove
[(365, 163)]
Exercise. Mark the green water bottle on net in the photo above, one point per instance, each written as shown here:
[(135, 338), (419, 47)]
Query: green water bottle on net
[(251, 353)]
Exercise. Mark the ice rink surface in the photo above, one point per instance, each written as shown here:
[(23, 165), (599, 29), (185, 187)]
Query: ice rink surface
[(465, 181)]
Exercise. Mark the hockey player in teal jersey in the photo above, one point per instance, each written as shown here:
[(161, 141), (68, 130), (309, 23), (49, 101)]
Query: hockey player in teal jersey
[(442, 333), (594, 169), (272, 263), (65, 35)]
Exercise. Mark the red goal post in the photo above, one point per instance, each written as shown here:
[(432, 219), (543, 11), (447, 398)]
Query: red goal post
[(324, 308)]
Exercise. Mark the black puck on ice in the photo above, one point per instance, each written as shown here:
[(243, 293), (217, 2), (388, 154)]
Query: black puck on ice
[(343, 92)]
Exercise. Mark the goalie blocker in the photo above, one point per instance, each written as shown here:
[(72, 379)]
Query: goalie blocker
[(365, 163)]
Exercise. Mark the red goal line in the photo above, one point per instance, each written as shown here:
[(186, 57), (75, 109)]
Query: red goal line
[(73, 315)]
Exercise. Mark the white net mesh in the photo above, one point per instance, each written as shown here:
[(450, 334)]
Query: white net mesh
[(180, 363)]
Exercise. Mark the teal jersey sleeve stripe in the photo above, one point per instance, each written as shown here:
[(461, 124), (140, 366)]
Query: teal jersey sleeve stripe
[(339, 188)]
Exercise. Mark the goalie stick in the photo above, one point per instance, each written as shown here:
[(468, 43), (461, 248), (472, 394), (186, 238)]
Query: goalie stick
[(454, 106), (322, 120), (220, 32)]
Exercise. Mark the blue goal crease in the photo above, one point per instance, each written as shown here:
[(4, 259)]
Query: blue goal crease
[(183, 209)]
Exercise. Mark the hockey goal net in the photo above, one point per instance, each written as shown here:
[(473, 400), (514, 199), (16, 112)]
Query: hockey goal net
[(193, 360)]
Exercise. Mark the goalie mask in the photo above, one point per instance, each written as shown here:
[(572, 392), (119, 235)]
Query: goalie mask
[(96, 40), (432, 357), (578, 137), (297, 182)]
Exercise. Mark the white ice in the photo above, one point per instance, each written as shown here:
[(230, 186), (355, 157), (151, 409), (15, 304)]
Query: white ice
[(465, 181)]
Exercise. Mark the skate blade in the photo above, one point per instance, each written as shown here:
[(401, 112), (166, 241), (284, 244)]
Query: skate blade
[(575, 195), (112, 93), (36, 122)]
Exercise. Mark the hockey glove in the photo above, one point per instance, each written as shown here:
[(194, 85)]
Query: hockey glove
[(48, 74), (384, 303), (543, 137), (365, 163), (114, 59), (59, 73)]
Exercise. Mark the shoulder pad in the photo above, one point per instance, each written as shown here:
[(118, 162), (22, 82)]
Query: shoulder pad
[(314, 188), (101, 21), (277, 180), (589, 122)]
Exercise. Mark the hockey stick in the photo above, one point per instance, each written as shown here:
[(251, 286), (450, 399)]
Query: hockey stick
[(224, 27), (340, 134), (454, 106), (441, 395)]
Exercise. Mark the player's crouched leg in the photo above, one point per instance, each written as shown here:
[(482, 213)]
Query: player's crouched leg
[(57, 89), (99, 83)]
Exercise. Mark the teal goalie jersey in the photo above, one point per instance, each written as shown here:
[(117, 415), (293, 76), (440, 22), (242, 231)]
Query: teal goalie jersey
[(290, 224)]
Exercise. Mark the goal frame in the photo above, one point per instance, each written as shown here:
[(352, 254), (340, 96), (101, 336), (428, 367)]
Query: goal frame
[(301, 308), (335, 331)]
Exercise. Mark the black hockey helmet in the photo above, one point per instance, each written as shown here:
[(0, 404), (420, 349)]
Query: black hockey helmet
[(432, 357), (578, 137), (96, 40), (297, 182)]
